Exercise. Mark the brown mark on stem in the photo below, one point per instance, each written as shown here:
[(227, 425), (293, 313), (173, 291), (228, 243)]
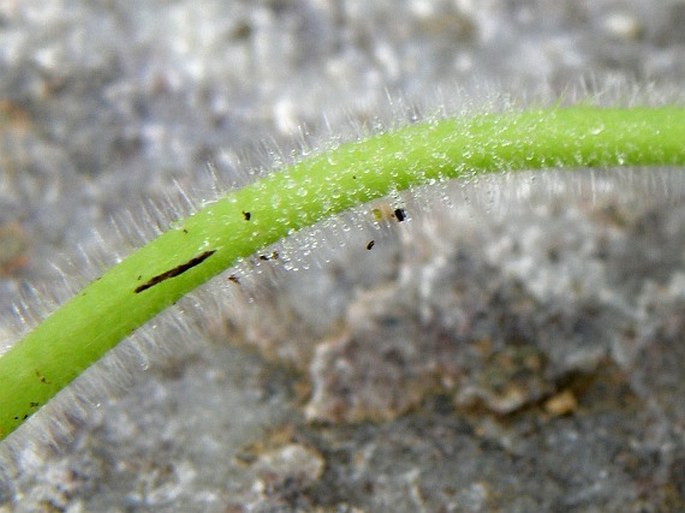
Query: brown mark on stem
[(176, 271)]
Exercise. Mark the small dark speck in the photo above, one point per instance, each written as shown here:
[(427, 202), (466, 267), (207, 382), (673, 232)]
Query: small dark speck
[(273, 256), (185, 231), (354, 177), (247, 215), (400, 214), (370, 244), (242, 31), (234, 279), (140, 277)]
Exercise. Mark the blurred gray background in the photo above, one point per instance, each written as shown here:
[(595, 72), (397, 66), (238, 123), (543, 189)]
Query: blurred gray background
[(517, 345)]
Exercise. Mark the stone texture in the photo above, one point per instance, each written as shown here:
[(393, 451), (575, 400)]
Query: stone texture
[(515, 345)]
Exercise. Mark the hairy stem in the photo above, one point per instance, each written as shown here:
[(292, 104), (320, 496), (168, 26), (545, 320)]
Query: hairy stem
[(110, 308)]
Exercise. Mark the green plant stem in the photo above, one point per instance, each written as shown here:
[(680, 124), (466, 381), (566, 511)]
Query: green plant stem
[(110, 308)]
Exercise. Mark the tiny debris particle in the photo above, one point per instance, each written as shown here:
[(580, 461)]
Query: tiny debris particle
[(273, 256), (400, 214), (382, 212), (562, 403), (233, 278), (370, 244), (247, 215)]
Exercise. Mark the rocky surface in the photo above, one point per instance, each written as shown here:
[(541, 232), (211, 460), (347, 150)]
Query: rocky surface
[(514, 345)]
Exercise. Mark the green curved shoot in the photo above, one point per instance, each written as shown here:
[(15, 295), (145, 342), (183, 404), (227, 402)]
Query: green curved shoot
[(110, 308)]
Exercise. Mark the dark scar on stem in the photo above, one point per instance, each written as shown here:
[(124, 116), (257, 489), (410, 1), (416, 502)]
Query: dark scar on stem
[(41, 378), (176, 271)]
